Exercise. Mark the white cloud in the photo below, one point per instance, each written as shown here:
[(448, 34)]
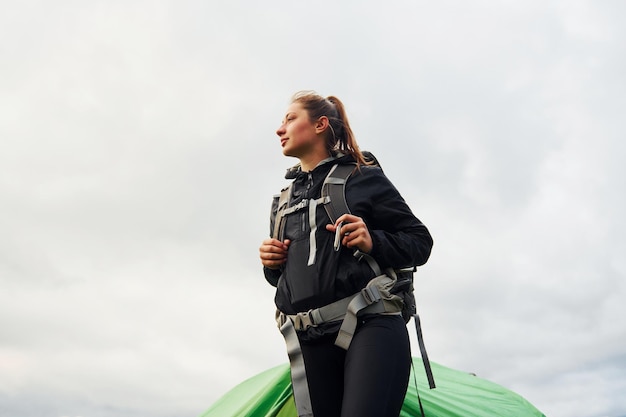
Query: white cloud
[(139, 158)]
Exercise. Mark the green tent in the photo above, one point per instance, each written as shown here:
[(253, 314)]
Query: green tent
[(458, 394)]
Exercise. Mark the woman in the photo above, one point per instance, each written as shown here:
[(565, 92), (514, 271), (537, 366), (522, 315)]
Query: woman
[(365, 374)]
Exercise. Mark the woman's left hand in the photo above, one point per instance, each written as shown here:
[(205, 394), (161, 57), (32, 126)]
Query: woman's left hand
[(354, 232)]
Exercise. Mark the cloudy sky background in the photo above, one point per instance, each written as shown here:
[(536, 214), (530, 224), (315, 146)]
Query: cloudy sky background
[(139, 158)]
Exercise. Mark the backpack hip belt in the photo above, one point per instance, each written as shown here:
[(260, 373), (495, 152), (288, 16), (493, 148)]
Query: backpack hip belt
[(375, 298)]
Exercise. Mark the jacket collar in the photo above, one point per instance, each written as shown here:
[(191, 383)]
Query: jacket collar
[(336, 157)]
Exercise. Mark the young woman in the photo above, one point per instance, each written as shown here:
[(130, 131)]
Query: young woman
[(316, 269)]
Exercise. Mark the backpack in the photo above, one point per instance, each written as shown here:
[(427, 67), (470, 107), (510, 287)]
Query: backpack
[(333, 188), (400, 286)]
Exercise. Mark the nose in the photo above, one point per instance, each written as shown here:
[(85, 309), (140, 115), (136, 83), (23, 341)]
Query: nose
[(280, 130)]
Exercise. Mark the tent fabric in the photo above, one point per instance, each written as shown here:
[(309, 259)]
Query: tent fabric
[(458, 394)]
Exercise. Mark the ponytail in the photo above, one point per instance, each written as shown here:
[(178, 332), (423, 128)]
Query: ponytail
[(340, 138)]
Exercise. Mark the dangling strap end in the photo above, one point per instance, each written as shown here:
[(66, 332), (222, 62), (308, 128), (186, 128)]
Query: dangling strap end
[(420, 341)]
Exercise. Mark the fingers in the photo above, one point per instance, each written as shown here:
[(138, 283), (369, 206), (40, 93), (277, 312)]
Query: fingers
[(273, 253), (354, 232), (358, 238), (274, 245), (343, 220)]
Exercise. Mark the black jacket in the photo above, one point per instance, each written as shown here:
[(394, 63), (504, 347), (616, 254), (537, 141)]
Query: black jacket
[(400, 240)]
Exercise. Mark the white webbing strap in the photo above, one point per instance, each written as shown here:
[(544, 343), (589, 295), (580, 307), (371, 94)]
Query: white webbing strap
[(299, 382), (313, 226)]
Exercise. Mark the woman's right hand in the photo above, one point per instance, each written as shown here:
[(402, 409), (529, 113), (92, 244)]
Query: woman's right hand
[(273, 253)]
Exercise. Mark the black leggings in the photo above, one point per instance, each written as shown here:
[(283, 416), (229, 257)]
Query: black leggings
[(370, 379)]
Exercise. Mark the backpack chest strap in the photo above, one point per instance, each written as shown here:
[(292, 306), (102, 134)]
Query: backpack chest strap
[(284, 210)]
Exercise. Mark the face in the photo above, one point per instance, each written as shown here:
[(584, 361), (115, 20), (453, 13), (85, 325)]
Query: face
[(298, 135)]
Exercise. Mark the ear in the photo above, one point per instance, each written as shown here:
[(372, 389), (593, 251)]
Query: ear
[(321, 124)]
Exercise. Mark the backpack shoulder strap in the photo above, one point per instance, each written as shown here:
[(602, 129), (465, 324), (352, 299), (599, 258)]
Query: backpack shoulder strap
[(334, 190), (334, 195), (283, 202)]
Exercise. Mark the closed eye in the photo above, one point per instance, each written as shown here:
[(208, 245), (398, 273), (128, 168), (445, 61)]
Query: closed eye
[(290, 117)]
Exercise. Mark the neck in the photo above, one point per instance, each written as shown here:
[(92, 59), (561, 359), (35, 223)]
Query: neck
[(309, 162)]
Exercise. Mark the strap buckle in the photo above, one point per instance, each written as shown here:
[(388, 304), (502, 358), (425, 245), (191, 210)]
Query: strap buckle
[(371, 294), (303, 321)]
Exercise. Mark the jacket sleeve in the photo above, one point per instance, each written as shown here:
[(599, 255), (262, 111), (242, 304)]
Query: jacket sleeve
[(272, 275), (400, 239)]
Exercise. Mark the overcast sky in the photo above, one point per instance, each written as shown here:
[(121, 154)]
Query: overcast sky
[(138, 160)]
